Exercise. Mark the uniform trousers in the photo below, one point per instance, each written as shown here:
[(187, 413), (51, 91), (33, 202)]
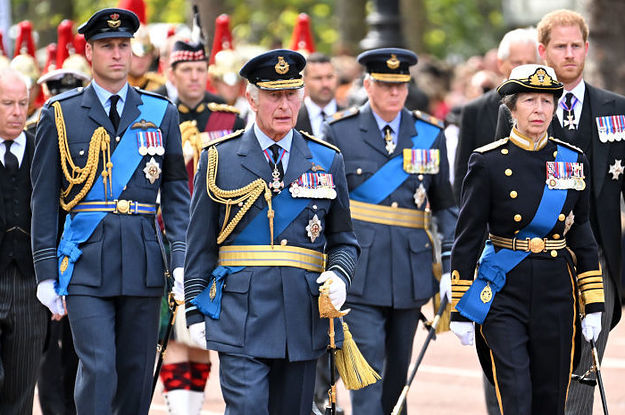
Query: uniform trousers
[(115, 340), (530, 330), (384, 336), (581, 397), (23, 322), (266, 386)]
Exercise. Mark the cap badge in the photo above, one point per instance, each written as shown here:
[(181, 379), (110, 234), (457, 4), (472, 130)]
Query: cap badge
[(281, 67), (393, 62), (114, 22), (540, 78)]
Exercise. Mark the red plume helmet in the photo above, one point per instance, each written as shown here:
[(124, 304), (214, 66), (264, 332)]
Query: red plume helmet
[(24, 35), (135, 6), (302, 40), (223, 37), (65, 35)]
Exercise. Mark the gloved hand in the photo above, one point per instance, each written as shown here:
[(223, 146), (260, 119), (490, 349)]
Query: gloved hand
[(337, 292), (197, 331), (46, 294), (444, 287), (464, 330), (178, 288), (591, 326)]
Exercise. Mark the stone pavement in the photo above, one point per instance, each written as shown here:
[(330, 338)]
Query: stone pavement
[(449, 380)]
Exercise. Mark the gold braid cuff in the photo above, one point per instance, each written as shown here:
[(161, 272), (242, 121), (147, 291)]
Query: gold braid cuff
[(246, 195), (100, 142)]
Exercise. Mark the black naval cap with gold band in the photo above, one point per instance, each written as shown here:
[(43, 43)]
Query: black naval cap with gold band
[(110, 23), (531, 78), (388, 64), (275, 70)]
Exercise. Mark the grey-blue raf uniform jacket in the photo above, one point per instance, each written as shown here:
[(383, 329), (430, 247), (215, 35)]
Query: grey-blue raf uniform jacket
[(267, 312), (122, 256), (395, 266)]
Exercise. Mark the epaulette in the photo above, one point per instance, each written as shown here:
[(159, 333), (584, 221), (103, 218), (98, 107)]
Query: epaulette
[(152, 93), (235, 134), (492, 146), (565, 144), (65, 95), (341, 115), (319, 141), (213, 106), (429, 119)]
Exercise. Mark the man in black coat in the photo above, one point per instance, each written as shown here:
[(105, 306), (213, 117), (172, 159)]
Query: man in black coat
[(321, 83), (591, 119), (22, 317), (479, 117)]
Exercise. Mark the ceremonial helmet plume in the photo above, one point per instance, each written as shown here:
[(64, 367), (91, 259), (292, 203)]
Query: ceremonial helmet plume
[(302, 39), (223, 37)]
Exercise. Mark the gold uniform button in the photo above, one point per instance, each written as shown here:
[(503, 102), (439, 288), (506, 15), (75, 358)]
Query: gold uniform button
[(556, 236), (513, 194), (515, 232), (517, 218), (240, 204), (561, 217), (283, 242), (504, 151), (118, 138), (420, 177), (554, 253), (508, 172), (555, 153), (81, 152), (359, 171), (394, 204)]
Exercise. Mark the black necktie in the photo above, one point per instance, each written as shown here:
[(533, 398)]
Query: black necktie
[(113, 114), (570, 115), (10, 160), (323, 115), (275, 151)]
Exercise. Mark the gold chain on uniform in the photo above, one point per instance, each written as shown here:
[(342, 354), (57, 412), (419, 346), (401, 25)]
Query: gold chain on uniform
[(189, 132), (100, 142), (248, 193)]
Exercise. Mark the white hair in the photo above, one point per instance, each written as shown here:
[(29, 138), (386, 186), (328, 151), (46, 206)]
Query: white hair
[(522, 35), (13, 74)]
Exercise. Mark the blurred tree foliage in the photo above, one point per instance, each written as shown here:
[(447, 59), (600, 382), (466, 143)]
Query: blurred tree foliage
[(445, 27)]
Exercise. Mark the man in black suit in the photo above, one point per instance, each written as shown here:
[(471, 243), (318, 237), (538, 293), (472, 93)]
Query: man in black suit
[(321, 83), (588, 117), (22, 318), (479, 117)]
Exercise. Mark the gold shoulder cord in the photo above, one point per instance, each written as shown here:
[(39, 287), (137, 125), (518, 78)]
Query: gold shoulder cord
[(100, 142), (190, 133), (248, 193)]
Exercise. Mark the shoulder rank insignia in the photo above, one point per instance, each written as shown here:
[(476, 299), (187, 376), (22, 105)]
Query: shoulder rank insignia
[(319, 141), (144, 125), (213, 106), (340, 115), (492, 146), (565, 144), (235, 134), (429, 119)]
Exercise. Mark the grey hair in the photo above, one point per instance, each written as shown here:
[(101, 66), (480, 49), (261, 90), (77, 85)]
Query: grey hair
[(522, 35), (9, 72)]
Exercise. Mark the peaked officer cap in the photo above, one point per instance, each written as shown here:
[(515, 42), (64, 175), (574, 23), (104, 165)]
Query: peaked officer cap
[(531, 78), (388, 64), (275, 70), (110, 23)]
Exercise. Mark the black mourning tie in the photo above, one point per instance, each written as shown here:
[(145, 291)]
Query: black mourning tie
[(113, 114), (10, 160), (323, 115), (275, 151)]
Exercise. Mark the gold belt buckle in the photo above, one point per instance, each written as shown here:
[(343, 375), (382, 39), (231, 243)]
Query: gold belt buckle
[(122, 206), (536, 245)]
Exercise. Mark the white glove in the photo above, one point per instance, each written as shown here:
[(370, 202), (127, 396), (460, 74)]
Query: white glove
[(46, 294), (444, 287), (197, 331), (591, 326), (464, 330), (337, 292), (178, 288)]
